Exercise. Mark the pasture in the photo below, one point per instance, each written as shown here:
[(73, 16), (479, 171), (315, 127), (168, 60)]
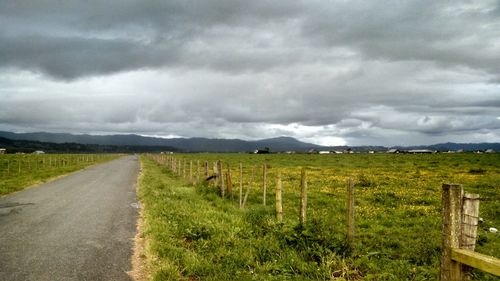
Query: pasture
[(195, 234), (18, 171)]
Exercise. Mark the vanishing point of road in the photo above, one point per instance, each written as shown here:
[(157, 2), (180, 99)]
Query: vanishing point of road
[(78, 227)]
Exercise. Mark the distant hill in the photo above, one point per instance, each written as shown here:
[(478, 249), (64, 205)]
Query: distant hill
[(184, 144), (450, 146), (29, 146), (278, 144)]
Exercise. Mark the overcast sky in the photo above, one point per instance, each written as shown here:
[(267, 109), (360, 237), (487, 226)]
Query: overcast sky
[(327, 72)]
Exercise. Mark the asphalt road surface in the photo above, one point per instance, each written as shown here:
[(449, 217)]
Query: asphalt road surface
[(79, 227)]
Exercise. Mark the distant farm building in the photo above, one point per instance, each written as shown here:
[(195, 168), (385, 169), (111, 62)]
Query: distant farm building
[(394, 150), (262, 151), (489, 151), (2, 150), (39, 152), (349, 150), (421, 151), (324, 152)]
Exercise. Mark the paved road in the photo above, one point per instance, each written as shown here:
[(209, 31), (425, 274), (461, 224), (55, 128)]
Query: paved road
[(79, 227)]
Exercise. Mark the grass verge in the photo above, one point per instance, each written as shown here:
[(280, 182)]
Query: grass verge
[(21, 171)]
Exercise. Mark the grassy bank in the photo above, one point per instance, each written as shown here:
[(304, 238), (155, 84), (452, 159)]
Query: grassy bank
[(194, 234), (19, 171)]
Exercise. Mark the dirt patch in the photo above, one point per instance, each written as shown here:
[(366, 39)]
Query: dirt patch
[(140, 268)]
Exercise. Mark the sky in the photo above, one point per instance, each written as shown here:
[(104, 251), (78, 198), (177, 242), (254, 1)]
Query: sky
[(325, 72)]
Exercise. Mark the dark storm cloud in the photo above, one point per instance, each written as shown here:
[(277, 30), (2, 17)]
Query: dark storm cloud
[(71, 39), (364, 72)]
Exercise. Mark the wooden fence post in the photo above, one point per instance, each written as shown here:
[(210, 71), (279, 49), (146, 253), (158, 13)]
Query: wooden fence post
[(205, 169), (264, 187), (303, 196), (350, 212), (241, 184), (180, 168), (191, 172), (279, 204), (452, 195), (197, 171), (184, 169), (248, 188), (221, 179), (229, 182), (470, 219), (216, 174)]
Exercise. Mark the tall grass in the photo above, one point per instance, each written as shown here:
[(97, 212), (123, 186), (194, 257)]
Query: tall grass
[(196, 235)]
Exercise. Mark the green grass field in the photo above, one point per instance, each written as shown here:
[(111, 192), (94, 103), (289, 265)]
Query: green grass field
[(194, 234), (18, 171)]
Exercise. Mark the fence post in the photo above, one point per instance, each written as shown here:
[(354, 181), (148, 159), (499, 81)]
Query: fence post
[(248, 188), (205, 169), (303, 196), (350, 212), (264, 187), (216, 179), (452, 195), (221, 179), (197, 171), (184, 169), (229, 182), (279, 204), (470, 219), (191, 171), (241, 184)]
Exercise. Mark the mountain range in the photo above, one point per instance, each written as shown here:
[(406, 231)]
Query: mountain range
[(279, 144)]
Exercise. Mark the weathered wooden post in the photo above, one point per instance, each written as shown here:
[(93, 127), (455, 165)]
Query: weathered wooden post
[(229, 182), (350, 212), (216, 174), (205, 169), (184, 173), (241, 184), (221, 179), (264, 187), (470, 220), (279, 204), (180, 168), (303, 196), (191, 172), (451, 202), (197, 171), (250, 184)]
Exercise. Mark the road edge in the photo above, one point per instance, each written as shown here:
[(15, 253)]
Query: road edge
[(140, 269)]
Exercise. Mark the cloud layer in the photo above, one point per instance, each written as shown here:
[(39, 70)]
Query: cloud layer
[(332, 72)]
